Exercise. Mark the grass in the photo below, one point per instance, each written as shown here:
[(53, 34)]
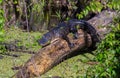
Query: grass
[(74, 67), (27, 39), (8, 62)]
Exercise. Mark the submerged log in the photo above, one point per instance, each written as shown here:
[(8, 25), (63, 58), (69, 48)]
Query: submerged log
[(50, 55)]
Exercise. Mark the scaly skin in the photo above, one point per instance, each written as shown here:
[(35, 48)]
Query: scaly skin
[(63, 29), (75, 24)]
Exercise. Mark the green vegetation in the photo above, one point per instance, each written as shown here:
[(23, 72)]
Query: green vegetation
[(113, 4), (96, 7), (108, 56), (26, 39), (1, 23), (8, 62)]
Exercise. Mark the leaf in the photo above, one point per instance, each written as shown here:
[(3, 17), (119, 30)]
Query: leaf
[(1, 33), (0, 1)]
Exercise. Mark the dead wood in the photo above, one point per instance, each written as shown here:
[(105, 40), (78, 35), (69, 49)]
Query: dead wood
[(48, 56)]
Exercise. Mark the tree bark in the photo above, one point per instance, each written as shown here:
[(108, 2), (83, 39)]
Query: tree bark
[(50, 55)]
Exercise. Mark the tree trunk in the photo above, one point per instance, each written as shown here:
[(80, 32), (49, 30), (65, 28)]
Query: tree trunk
[(48, 56)]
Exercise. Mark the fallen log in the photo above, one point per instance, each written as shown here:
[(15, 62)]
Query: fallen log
[(50, 55)]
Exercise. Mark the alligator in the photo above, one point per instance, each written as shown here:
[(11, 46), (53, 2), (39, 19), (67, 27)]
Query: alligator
[(60, 31), (64, 28)]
